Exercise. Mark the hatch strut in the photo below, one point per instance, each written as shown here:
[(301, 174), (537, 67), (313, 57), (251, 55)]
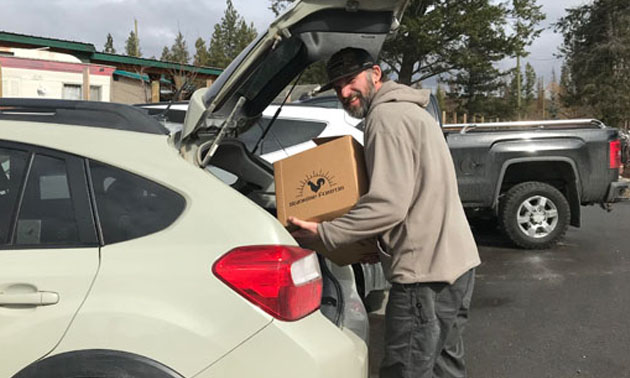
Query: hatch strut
[(229, 122)]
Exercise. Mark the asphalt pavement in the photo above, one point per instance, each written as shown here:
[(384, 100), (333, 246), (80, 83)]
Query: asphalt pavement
[(563, 312)]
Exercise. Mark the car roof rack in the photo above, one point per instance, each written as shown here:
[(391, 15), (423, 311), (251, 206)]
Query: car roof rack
[(80, 113)]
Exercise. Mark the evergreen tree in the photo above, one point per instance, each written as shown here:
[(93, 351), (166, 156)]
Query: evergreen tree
[(477, 82), (434, 36), (530, 84), (109, 45), (132, 45), (525, 16), (596, 49), (231, 35), (166, 54), (505, 103), (179, 51), (201, 57), (541, 100), (567, 95), (566, 90)]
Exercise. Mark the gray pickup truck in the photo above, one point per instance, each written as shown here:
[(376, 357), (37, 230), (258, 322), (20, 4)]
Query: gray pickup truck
[(533, 176)]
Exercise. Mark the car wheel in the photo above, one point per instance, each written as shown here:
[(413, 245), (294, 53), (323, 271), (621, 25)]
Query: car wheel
[(95, 363), (534, 215)]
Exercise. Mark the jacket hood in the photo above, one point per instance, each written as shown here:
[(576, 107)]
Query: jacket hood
[(393, 92)]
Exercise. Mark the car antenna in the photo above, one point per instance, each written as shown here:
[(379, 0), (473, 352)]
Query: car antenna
[(162, 115), (275, 116)]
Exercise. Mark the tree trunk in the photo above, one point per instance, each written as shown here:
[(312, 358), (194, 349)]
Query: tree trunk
[(406, 69), (179, 82)]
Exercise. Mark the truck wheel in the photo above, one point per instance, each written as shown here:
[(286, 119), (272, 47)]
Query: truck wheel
[(534, 215)]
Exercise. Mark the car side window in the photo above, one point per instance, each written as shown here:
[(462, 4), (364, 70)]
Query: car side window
[(55, 208), (130, 206), (12, 171)]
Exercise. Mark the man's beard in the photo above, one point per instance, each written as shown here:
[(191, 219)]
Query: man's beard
[(364, 102)]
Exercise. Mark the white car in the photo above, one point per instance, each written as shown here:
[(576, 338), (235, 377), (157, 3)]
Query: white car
[(117, 255), (120, 255)]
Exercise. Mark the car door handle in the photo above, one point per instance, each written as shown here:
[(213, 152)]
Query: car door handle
[(39, 298)]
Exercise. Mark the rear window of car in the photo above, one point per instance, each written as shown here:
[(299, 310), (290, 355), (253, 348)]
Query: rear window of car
[(130, 206)]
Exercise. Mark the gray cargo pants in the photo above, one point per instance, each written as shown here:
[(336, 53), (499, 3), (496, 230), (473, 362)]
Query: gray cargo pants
[(423, 329)]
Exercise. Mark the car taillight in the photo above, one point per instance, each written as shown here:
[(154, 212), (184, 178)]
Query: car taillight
[(615, 154), (284, 281)]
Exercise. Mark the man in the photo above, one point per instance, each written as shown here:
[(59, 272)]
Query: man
[(427, 249)]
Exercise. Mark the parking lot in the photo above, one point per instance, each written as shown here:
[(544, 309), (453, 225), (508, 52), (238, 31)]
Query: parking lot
[(563, 312)]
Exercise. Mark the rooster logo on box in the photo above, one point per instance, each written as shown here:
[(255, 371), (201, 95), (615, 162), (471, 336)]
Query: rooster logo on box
[(315, 188), (315, 182)]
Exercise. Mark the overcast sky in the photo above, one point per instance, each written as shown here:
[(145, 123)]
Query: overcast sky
[(159, 20)]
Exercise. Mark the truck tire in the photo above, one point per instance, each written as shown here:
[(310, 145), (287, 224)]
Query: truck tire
[(534, 215)]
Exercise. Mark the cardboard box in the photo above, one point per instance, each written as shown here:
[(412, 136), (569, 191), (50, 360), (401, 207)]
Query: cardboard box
[(322, 184)]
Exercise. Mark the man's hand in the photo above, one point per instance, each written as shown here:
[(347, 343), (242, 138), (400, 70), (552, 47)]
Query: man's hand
[(307, 231)]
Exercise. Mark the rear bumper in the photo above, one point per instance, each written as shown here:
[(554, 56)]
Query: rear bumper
[(309, 348), (619, 191)]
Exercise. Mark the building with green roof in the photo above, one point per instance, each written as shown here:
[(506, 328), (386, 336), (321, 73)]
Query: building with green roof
[(134, 79)]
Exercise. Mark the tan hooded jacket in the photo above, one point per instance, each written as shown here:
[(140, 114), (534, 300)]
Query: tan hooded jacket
[(412, 204)]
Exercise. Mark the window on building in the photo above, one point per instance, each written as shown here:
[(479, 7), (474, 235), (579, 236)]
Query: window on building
[(95, 93), (71, 92)]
